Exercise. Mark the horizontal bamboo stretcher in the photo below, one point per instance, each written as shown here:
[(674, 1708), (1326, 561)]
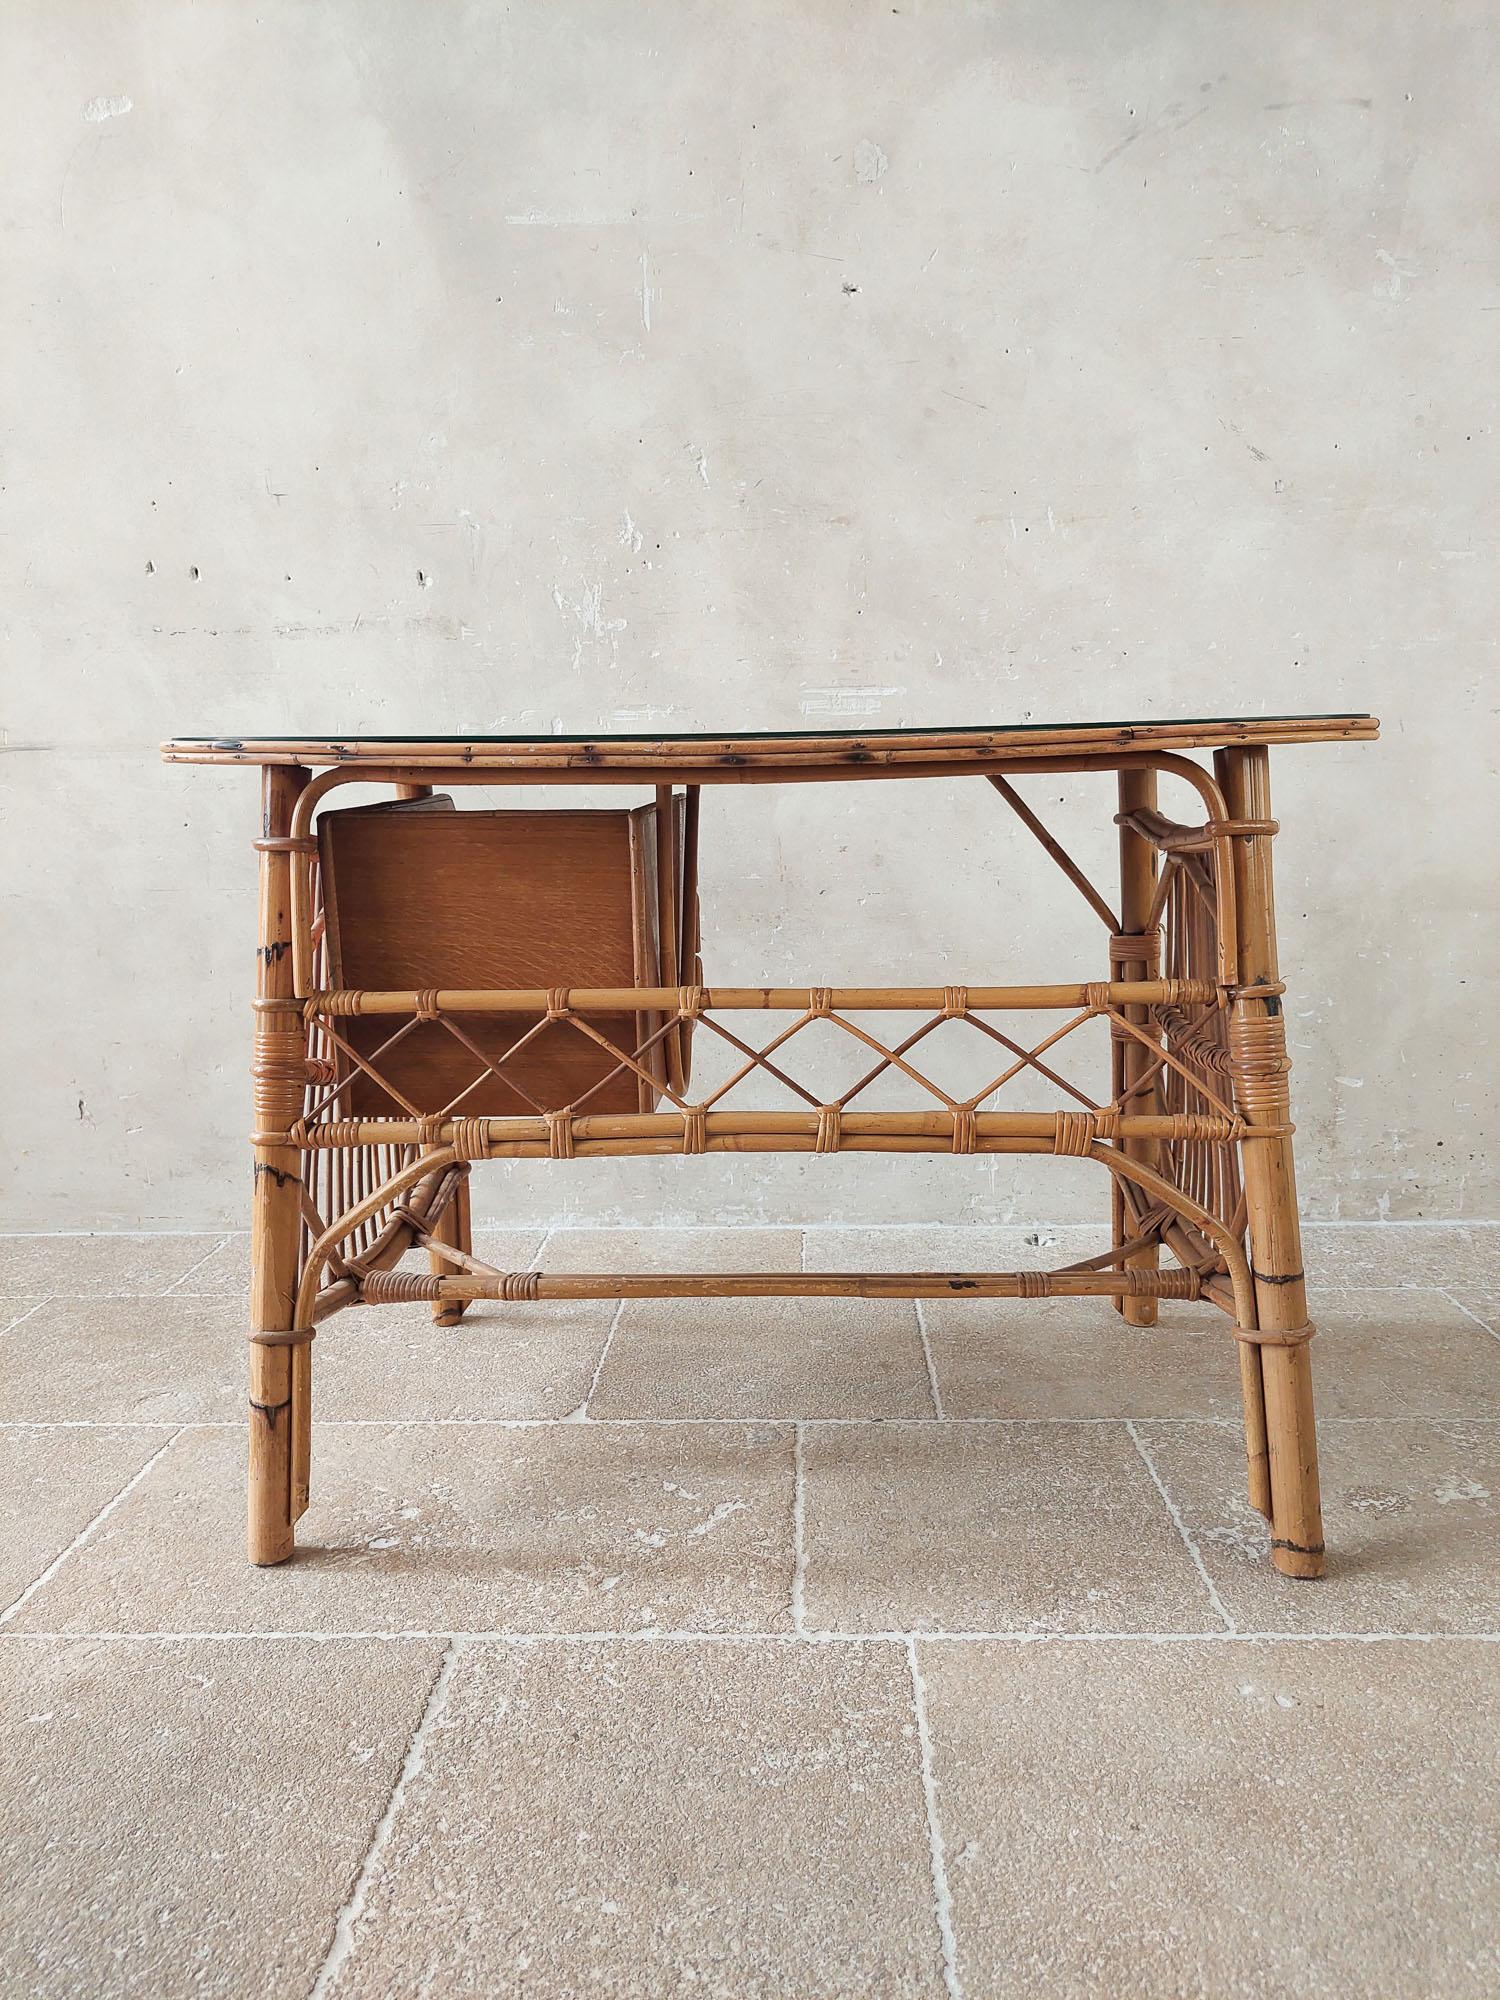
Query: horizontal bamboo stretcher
[(772, 999), (382, 1288), (664, 1132), (1194, 1129)]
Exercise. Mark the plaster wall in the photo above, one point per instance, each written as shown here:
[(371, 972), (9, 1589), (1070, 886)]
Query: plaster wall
[(372, 367)]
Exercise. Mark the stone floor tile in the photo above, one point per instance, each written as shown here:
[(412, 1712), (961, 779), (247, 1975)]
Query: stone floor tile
[(52, 1484), (139, 1360), (190, 1817), (730, 1819), (1126, 1821), (16, 1306), (1395, 1253), (672, 1250), (454, 1527), (1409, 1353), (227, 1272), (1409, 1515), (1078, 1358), (1378, 1353), (939, 1247), (1480, 1301), (991, 1528), (501, 1360), (764, 1358), (109, 1264), (506, 1249)]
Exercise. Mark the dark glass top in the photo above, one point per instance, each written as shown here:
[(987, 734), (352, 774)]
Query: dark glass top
[(852, 729)]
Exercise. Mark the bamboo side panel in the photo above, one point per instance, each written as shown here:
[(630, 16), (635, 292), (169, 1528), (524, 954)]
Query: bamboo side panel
[(1133, 956), (339, 1180), (1209, 1173)]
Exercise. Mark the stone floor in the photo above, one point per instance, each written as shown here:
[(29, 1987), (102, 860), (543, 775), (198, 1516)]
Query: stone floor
[(762, 1647)]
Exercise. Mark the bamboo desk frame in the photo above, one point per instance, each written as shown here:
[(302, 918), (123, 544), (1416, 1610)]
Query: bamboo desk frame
[(1195, 1132)]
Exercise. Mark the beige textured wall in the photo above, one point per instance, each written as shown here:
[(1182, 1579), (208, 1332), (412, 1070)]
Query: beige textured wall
[(392, 362)]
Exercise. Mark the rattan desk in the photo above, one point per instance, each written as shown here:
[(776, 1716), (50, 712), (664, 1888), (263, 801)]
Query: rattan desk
[(354, 1167)]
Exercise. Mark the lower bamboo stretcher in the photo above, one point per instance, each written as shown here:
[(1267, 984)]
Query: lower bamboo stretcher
[(397, 1287)]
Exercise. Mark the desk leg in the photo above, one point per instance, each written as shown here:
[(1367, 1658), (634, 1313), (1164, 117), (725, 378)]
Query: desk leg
[(1257, 1042), (280, 1375), (452, 1226)]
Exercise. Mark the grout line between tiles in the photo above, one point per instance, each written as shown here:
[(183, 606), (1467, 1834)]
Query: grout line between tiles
[(21, 1318), (652, 1635), (342, 1943), (1180, 1525), (1319, 1289), (82, 1536), (932, 1380), (123, 1235), (167, 1290), (942, 1903), (735, 1421), (581, 1414), (114, 1424), (1309, 1225), (1468, 1314), (799, 1534)]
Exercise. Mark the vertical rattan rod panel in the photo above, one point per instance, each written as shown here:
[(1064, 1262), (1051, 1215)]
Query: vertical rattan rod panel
[(1137, 789)]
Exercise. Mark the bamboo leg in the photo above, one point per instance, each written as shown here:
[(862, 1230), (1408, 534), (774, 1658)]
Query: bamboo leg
[(1130, 1057), (1257, 1451), (452, 1226), (1252, 1379), (280, 1376), (1258, 1057)]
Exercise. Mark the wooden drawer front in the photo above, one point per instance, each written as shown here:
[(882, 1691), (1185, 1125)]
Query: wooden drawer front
[(420, 896)]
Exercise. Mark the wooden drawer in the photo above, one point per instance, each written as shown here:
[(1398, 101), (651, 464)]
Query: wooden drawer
[(418, 895)]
